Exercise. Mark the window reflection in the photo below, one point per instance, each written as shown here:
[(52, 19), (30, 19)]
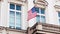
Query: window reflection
[(12, 6), (18, 7), (38, 18)]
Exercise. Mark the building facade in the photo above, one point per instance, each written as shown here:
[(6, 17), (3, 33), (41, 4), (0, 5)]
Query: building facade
[(14, 15)]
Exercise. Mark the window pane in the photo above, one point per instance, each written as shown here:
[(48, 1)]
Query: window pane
[(37, 10), (12, 14), (12, 6), (43, 19), (59, 21), (59, 14), (18, 15), (12, 19), (18, 7), (38, 18), (11, 23), (42, 11), (18, 20)]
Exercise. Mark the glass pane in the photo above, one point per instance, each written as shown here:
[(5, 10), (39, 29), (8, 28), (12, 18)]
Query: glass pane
[(59, 21), (59, 14), (18, 26), (38, 18), (18, 7), (37, 10), (12, 6), (18, 15), (12, 19), (18, 20), (12, 14), (42, 11), (11, 22), (43, 19)]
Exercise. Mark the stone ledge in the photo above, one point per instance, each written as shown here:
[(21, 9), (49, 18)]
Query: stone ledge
[(9, 29), (49, 28)]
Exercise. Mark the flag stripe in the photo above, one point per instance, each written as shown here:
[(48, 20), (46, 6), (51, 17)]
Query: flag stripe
[(32, 13)]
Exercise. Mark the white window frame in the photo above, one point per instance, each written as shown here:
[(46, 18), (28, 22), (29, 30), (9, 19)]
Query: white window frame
[(20, 11), (41, 14)]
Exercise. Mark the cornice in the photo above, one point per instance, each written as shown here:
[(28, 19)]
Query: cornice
[(40, 3), (57, 6)]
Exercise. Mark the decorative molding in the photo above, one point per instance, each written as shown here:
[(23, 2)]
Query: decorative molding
[(40, 3), (22, 0), (15, 2), (57, 6), (10, 29)]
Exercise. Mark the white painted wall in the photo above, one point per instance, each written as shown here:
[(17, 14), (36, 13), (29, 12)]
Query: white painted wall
[(24, 23), (4, 12), (51, 14), (0, 11)]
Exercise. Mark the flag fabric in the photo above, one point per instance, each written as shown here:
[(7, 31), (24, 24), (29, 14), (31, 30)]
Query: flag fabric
[(32, 13)]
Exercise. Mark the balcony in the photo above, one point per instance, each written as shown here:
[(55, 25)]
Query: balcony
[(44, 28)]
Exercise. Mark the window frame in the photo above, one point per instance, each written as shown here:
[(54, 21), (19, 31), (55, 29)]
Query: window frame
[(40, 14), (14, 10)]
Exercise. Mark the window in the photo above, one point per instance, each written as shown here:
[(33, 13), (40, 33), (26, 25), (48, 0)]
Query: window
[(42, 19), (15, 16), (12, 19), (38, 18), (18, 7), (15, 7), (12, 6), (42, 11), (40, 15), (59, 16)]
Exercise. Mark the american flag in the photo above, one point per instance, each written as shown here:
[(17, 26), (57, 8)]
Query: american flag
[(32, 13)]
